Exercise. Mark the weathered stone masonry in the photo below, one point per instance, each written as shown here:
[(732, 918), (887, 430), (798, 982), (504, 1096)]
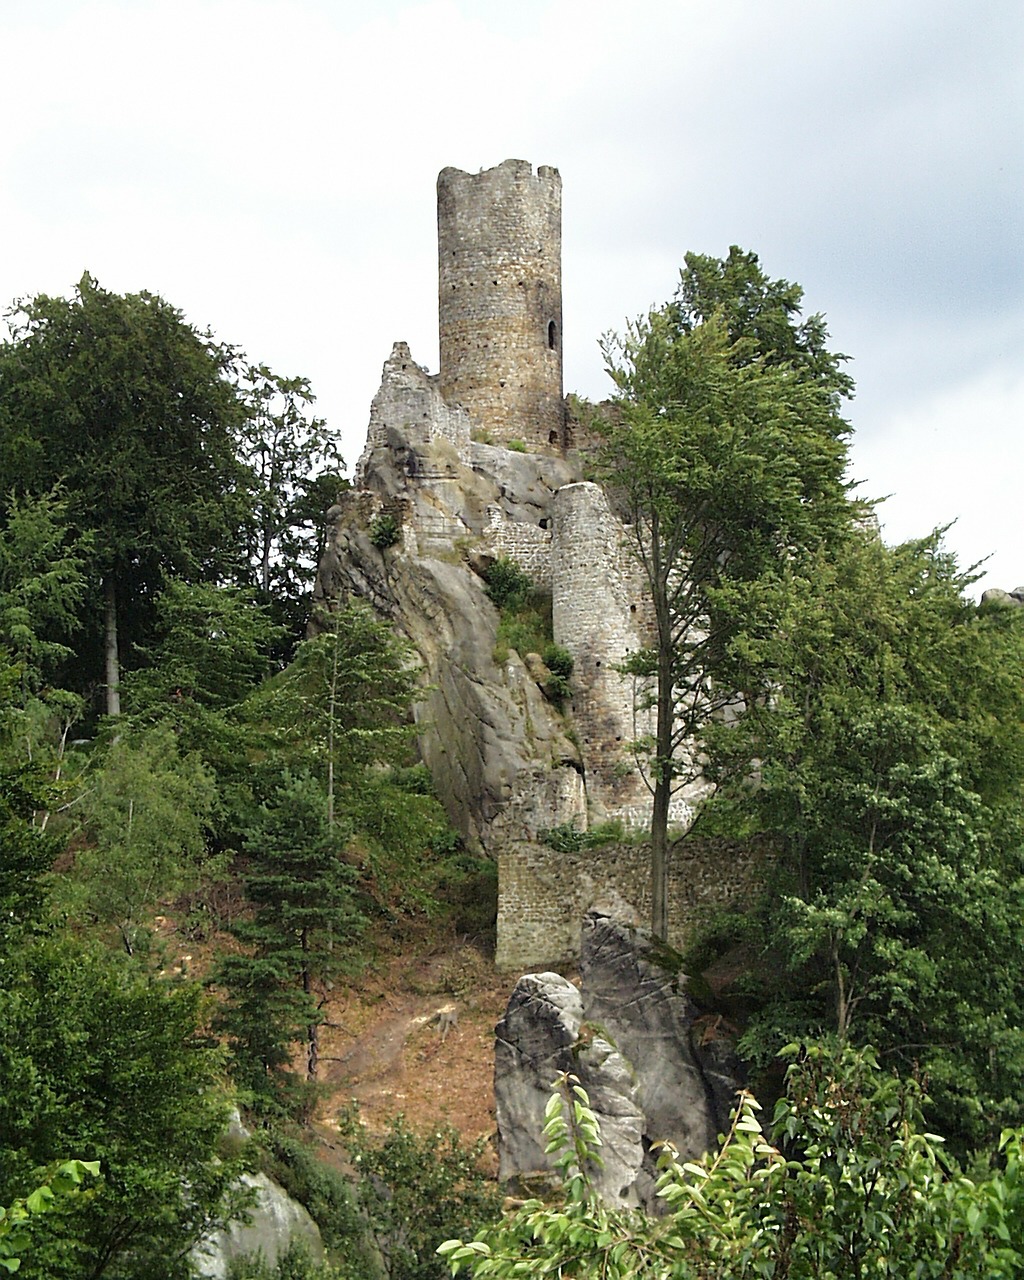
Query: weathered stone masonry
[(509, 764), (500, 299)]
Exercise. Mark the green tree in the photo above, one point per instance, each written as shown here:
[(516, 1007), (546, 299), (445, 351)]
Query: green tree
[(888, 784), (98, 1057), (415, 1191), (144, 818), (297, 471), (42, 586), (207, 656), (297, 941), (133, 411), (765, 314), (346, 699), (728, 465)]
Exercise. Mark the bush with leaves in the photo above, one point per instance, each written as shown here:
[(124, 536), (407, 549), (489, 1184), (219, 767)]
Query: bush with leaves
[(847, 1185), (296, 1264), (508, 585), (15, 1237), (385, 531), (98, 1056), (416, 1190), (291, 1160)]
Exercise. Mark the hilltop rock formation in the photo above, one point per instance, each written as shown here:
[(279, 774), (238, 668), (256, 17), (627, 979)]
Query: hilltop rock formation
[(480, 462), (996, 596)]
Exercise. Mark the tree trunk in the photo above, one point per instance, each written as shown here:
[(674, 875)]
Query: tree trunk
[(663, 772), (112, 665)]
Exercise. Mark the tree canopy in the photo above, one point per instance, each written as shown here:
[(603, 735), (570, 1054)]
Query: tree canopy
[(726, 456)]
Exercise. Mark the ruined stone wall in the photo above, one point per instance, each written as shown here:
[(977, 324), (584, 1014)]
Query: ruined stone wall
[(598, 609), (527, 544), (410, 400), (500, 299), (543, 895)]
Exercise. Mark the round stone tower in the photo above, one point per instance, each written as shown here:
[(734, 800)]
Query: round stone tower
[(499, 236)]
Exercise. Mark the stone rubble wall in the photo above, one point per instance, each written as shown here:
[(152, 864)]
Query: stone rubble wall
[(410, 400), (527, 544), (543, 895), (500, 300)]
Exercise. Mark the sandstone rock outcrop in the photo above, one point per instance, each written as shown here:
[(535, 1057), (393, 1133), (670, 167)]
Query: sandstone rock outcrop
[(994, 595), (274, 1224), (640, 1046)]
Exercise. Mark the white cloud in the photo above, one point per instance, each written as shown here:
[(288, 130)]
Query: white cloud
[(955, 457), (269, 167)]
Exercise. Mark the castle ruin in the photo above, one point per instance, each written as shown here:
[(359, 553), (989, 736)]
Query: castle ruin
[(471, 464)]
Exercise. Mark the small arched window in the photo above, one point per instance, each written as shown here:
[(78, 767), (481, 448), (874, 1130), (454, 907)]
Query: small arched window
[(552, 335)]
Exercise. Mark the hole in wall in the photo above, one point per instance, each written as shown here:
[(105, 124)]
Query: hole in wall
[(552, 335), (545, 523), (552, 437)]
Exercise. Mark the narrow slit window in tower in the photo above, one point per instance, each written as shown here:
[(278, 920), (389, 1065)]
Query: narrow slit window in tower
[(552, 335)]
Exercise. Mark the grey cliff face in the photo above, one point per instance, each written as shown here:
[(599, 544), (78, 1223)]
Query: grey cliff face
[(498, 751)]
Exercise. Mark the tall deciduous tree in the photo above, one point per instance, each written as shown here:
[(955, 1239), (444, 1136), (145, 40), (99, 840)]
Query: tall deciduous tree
[(133, 411), (891, 762), (727, 461)]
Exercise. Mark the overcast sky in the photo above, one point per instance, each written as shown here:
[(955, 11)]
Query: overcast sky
[(269, 168)]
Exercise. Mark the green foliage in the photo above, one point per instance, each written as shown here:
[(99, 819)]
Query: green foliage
[(385, 531), (568, 838), (295, 1265), (42, 585), (524, 625), (847, 1185), (559, 662), (728, 463), (295, 468), (517, 446), (62, 1181), (144, 817), (762, 314), (414, 1191), (889, 789), (131, 410), (508, 586), (328, 1196), (345, 701), (96, 1056), (298, 939), (208, 652)]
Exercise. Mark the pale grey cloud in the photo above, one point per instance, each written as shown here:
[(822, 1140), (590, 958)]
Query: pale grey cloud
[(269, 167)]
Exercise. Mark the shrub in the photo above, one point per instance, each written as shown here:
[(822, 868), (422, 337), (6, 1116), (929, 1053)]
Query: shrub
[(508, 586), (568, 838), (385, 531), (559, 662), (846, 1184), (416, 1191)]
